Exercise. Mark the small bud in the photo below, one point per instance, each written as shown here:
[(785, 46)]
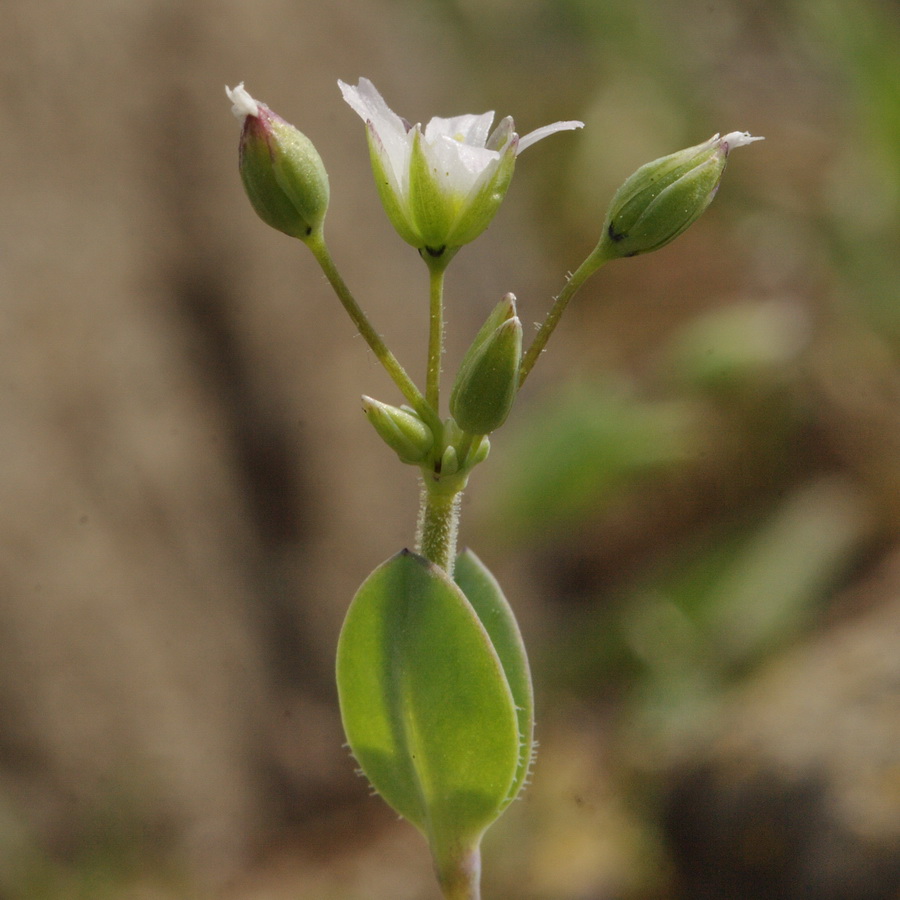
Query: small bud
[(401, 429), (664, 197), (488, 377), (282, 173), (449, 461), (479, 452)]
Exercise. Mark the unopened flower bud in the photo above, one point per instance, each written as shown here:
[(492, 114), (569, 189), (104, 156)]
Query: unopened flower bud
[(488, 376), (401, 429), (282, 173), (664, 197), (449, 461), (479, 452)]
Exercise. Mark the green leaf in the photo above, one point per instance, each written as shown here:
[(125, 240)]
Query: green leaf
[(425, 703), (486, 597)]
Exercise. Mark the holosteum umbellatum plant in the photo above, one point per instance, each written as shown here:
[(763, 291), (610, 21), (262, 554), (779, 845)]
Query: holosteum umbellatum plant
[(432, 675)]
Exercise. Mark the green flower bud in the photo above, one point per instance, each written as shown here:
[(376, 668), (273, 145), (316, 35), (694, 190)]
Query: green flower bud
[(449, 461), (401, 429), (502, 312), (488, 377), (282, 173), (479, 452), (664, 197)]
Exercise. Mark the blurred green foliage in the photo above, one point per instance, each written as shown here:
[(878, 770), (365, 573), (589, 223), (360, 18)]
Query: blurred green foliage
[(857, 42), (718, 592), (724, 459), (117, 857)]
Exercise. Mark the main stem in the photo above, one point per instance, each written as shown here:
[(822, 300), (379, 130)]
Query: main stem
[(460, 876), (413, 395), (439, 499), (575, 281), (438, 523)]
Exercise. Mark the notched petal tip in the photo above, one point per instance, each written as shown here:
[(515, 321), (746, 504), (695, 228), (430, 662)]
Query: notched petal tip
[(365, 100), (351, 95), (243, 104), (738, 139)]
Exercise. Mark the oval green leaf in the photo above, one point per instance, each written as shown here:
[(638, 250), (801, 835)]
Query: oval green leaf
[(425, 702), (491, 606)]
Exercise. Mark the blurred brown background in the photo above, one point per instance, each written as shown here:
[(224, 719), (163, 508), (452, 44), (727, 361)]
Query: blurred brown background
[(694, 508)]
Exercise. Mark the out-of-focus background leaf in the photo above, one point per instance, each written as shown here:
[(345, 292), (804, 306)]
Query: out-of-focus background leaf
[(694, 508)]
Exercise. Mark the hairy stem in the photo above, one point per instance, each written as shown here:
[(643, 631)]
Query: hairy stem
[(574, 282), (435, 336), (438, 525)]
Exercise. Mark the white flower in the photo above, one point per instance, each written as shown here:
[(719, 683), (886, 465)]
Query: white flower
[(442, 184)]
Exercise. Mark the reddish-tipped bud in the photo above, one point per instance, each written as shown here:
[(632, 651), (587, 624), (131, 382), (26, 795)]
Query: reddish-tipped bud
[(283, 174)]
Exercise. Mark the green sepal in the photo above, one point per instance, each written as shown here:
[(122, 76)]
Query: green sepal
[(496, 615), (674, 209), (503, 311), (432, 208), (482, 206), (446, 219), (662, 199), (426, 705), (647, 182), (391, 196)]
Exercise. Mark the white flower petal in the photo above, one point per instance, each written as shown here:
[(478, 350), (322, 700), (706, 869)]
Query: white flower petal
[(395, 162), (369, 105), (243, 104), (486, 172), (540, 133), (392, 135), (458, 166), (738, 139), (397, 150), (468, 129)]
